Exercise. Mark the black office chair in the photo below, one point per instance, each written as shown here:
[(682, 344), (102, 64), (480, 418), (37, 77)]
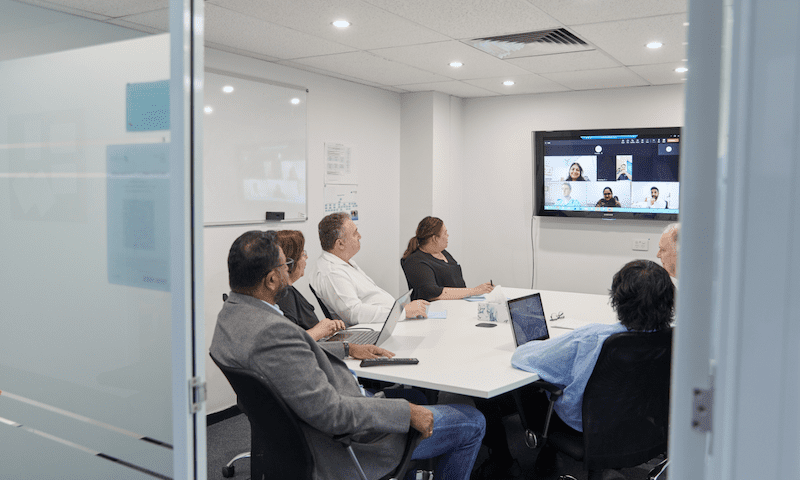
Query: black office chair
[(325, 311), (278, 445), (625, 406), (229, 469)]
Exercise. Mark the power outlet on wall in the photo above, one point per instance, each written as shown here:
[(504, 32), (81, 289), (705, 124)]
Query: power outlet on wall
[(642, 244)]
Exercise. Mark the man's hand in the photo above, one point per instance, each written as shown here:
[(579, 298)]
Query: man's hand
[(417, 309), (368, 351), (422, 420), (325, 328)]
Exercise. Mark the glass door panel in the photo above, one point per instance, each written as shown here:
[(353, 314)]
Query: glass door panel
[(86, 377)]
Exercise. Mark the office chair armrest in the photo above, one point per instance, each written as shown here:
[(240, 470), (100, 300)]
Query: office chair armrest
[(554, 390)]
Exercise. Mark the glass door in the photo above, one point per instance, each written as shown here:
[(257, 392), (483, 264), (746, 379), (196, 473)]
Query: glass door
[(97, 371)]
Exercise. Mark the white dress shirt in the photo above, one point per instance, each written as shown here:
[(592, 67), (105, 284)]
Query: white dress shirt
[(349, 292)]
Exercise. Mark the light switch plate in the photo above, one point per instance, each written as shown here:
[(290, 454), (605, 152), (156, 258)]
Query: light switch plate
[(641, 244)]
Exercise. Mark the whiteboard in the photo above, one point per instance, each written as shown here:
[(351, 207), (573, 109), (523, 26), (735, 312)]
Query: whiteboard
[(254, 149)]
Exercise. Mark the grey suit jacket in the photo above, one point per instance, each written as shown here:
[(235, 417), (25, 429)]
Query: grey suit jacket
[(317, 385)]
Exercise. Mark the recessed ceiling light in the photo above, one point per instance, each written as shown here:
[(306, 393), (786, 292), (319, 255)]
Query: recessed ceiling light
[(295, 101), (685, 24), (341, 24), (508, 83), (208, 109), (227, 89), (655, 45), (681, 69), (456, 64)]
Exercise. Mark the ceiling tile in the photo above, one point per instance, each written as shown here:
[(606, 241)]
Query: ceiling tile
[(238, 51), (662, 74), (454, 88), (249, 34), (461, 19), (576, 12), (522, 84), (436, 58), (110, 8), (597, 79), (565, 62), (371, 68), (625, 40), (371, 27), (327, 73)]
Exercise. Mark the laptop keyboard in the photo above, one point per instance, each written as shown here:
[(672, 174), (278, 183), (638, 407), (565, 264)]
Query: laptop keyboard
[(361, 338)]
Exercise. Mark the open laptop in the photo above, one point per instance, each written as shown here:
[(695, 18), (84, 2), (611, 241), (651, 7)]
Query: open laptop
[(527, 319), (370, 337)]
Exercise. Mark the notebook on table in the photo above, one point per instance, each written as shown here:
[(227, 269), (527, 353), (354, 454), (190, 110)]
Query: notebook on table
[(527, 319), (371, 337)]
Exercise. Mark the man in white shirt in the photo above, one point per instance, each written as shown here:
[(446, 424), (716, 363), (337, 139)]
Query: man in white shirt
[(654, 202), (668, 250), (341, 283)]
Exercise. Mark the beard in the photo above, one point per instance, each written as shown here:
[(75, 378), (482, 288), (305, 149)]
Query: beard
[(282, 291)]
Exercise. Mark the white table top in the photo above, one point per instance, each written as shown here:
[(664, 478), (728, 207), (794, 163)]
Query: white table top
[(458, 357)]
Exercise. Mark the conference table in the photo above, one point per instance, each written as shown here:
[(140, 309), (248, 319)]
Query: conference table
[(459, 357)]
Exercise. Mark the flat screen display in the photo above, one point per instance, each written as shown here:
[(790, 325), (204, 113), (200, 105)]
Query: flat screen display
[(613, 173)]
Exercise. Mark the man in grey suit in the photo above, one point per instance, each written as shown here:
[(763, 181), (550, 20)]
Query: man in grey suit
[(316, 384)]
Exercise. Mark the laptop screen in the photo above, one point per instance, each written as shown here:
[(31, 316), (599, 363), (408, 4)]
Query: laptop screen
[(394, 316), (527, 319)]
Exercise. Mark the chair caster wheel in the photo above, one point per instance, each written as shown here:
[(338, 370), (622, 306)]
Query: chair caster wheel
[(228, 471), (531, 439)]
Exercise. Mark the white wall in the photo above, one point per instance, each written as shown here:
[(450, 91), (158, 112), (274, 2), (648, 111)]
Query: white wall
[(367, 119), (496, 177), (430, 163)]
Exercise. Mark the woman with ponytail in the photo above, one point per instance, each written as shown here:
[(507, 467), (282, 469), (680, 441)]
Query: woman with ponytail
[(430, 270)]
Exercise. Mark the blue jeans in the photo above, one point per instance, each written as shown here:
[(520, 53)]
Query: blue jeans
[(457, 434)]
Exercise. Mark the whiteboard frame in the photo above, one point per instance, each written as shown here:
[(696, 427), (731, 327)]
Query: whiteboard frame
[(252, 78)]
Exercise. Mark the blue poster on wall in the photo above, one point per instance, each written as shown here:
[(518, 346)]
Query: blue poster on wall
[(147, 106)]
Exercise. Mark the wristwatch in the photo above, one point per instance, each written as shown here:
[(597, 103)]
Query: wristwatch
[(346, 346)]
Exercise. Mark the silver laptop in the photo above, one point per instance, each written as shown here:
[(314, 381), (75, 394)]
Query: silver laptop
[(527, 319), (370, 337)]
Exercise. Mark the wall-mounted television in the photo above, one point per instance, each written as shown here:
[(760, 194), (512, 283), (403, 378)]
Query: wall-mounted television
[(607, 173)]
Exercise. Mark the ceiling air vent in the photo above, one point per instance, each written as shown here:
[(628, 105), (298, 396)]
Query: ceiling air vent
[(543, 42)]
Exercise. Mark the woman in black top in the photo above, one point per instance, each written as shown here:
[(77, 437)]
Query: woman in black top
[(293, 304), (608, 199), (430, 270)]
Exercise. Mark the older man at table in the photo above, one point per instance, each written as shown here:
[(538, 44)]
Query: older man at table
[(341, 283), (668, 250), (317, 385)]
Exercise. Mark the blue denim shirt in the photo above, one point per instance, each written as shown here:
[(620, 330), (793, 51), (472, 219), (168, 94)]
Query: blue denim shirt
[(567, 360)]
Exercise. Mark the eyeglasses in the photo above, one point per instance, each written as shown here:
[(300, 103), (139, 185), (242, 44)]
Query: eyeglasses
[(288, 263), (305, 255), (556, 316)]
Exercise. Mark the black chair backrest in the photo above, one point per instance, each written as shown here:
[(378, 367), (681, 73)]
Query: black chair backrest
[(278, 446), (325, 311), (626, 401)]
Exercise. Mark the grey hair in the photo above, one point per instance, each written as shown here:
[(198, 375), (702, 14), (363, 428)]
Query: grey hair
[(673, 230)]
